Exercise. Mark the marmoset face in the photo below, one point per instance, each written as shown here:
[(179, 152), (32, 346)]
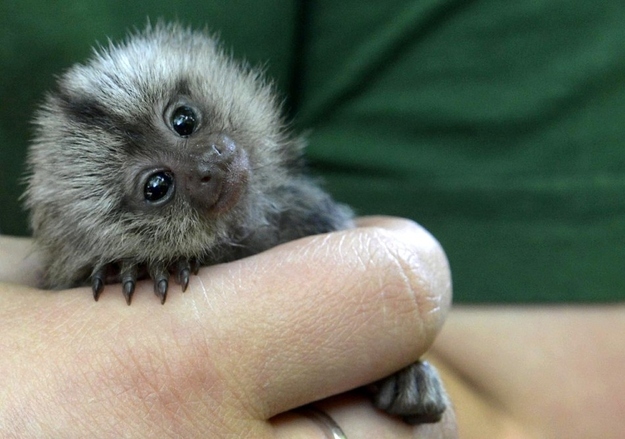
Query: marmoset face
[(162, 139)]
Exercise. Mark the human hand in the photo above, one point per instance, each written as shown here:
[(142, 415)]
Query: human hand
[(529, 371), (247, 343)]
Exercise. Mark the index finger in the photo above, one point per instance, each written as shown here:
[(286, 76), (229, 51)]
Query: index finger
[(329, 313), (249, 339)]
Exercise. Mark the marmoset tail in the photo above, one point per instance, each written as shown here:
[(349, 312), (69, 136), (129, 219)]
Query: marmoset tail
[(162, 154)]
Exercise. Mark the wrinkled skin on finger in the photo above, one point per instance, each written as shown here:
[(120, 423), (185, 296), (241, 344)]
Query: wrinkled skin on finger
[(249, 340)]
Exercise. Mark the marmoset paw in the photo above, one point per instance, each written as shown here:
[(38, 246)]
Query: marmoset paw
[(129, 272), (415, 393)]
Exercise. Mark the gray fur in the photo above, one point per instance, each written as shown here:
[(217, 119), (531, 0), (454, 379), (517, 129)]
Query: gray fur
[(415, 393), (106, 123), (108, 126)]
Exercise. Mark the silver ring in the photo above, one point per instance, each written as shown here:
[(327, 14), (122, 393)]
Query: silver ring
[(324, 421)]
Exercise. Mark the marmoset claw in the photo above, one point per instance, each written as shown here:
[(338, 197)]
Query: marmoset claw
[(97, 282), (128, 275), (160, 276), (183, 270)]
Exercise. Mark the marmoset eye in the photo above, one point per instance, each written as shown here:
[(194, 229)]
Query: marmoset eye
[(184, 121), (159, 186)]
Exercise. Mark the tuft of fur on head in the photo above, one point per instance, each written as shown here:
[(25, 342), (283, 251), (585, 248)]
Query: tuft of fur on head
[(106, 121)]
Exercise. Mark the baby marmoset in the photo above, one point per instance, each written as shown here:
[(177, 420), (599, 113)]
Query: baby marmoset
[(162, 154), (159, 154)]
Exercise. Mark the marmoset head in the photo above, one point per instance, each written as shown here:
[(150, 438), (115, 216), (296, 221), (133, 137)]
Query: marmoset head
[(154, 149)]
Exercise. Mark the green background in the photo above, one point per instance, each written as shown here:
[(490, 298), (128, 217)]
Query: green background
[(500, 126)]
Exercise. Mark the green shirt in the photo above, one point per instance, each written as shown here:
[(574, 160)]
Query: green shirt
[(500, 126)]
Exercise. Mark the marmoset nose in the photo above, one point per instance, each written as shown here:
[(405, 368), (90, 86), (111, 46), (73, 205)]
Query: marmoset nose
[(206, 170)]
